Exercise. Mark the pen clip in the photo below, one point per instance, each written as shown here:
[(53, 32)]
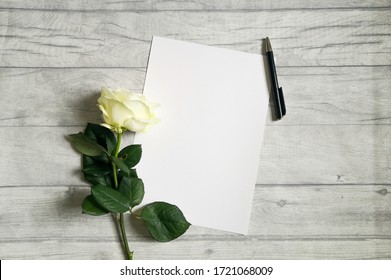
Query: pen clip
[(282, 101)]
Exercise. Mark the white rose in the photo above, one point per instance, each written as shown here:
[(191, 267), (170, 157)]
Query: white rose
[(123, 110)]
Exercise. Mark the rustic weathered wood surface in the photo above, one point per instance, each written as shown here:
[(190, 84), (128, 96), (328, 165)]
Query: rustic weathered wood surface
[(325, 171)]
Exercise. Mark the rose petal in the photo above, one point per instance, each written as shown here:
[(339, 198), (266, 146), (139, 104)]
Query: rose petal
[(105, 114), (136, 96), (107, 126), (122, 108), (140, 109), (107, 93), (104, 101), (107, 120), (122, 94), (119, 113), (103, 110), (135, 125)]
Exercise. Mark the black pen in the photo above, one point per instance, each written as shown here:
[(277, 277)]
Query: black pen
[(277, 93)]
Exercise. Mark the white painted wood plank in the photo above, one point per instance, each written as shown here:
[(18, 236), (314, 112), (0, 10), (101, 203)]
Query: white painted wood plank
[(200, 249), (189, 5), (349, 95), (325, 154), (52, 97), (122, 39), (353, 154), (279, 212), (324, 211), (63, 97), (336, 133)]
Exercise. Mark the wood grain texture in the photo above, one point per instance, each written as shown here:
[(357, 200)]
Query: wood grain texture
[(200, 249), (324, 211), (323, 186), (352, 154), (326, 155), (59, 97), (316, 95), (287, 222), (201, 5), (122, 39)]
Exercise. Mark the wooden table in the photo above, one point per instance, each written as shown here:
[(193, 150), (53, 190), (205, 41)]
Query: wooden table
[(325, 171)]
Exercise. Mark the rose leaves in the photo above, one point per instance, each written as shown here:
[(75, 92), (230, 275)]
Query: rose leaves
[(164, 221)]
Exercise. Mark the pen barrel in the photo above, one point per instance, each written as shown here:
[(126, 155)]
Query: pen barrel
[(274, 85)]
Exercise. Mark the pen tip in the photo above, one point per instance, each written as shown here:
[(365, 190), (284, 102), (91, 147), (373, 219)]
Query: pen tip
[(268, 45)]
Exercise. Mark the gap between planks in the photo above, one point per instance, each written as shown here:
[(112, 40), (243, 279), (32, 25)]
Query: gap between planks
[(145, 68), (234, 10), (205, 237), (304, 185)]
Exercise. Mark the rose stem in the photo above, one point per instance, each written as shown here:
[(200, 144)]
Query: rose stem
[(119, 137), (128, 253)]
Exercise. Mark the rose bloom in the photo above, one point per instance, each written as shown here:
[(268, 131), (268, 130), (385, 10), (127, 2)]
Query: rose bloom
[(123, 110)]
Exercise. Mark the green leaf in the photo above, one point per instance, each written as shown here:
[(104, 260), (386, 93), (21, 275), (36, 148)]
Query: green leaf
[(97, 172), (132, 173), (131, 155), (110, 199), (97, 168), (120, 164), (110, 144), (91, 207), (101, 135), (165, 221), (85, 145), (132, 188), (99, 180), (88, 160), (102, 158)]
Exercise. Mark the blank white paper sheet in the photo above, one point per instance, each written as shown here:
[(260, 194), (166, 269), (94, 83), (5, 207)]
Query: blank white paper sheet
[(203, 155)]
